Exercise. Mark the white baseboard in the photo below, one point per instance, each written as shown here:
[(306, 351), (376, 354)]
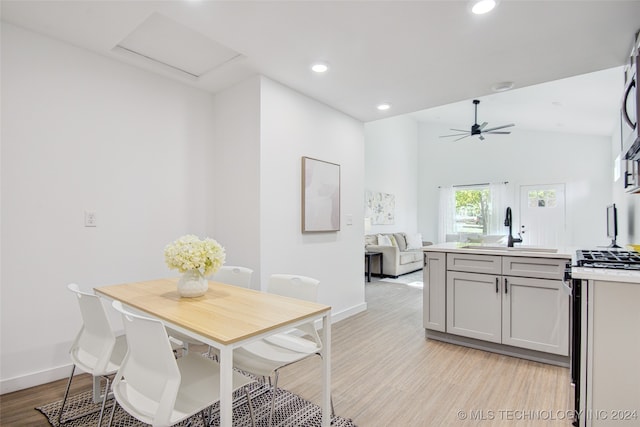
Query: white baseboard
[(48, 375), (35, 378), (351, 311)]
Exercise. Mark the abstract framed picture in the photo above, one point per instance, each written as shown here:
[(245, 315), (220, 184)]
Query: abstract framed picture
[(320, 196), (380, 207)]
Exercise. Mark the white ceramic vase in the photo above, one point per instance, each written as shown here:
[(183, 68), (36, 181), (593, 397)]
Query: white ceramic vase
[(192, 284)]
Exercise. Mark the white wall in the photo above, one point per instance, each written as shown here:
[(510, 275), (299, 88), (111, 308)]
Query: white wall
[(155, 159), (582, 162), (293, 126), (82, 132), (234, 168), (392, 167)]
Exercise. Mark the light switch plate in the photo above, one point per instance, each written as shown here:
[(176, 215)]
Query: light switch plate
[(90, 219)]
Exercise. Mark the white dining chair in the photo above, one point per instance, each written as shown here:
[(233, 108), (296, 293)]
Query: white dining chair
[(158, 389), (267, 356), (234, 275), (96, 349)]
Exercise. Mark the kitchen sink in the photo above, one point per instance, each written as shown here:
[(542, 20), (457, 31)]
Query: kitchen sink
[(521, 248)]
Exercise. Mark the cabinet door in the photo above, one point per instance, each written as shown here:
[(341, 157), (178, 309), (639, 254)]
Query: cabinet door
[(474, 305), (434, 293), (535, 314)]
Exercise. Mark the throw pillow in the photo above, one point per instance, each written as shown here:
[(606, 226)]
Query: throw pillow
[(401, 241), (393, 240), (370, 239), (383, 240), (414, 241)]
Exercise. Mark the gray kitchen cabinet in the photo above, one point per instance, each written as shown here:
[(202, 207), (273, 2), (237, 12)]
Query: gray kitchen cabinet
[(515, 301), (474, 263), (434, 291), (541, 268), (474, 306), (535, 314)]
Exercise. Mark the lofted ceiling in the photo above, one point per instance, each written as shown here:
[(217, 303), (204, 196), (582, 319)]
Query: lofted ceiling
[(415, 55)]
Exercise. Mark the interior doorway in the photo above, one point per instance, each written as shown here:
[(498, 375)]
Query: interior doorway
[(542, 215)]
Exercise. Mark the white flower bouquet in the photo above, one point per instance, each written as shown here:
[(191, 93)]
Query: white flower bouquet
[(191, 253)]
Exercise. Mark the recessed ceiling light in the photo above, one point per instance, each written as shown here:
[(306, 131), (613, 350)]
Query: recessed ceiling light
[(384, 106), (502, 86), (483, 6), (320, 67)]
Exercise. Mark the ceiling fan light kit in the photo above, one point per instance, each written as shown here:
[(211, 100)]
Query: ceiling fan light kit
[(479, 130)]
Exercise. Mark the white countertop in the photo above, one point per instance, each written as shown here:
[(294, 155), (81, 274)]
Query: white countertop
[(606, 274), (495, 249), (586, 273)]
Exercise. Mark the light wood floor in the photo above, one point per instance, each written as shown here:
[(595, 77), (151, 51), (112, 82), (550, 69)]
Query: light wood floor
[(386, 374)]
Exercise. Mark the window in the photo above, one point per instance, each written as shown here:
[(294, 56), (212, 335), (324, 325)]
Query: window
[(470, 213), (542, 199), (472, 210)]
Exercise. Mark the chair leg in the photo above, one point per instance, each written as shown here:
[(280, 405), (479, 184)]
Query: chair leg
[(253, 418), (113, 410), (66, 394), (105, 396), (273, 397)]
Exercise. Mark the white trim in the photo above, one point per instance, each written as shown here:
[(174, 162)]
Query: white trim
[(35, 378)]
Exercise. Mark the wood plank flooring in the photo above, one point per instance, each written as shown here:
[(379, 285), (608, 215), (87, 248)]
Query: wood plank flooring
[(386, 374)]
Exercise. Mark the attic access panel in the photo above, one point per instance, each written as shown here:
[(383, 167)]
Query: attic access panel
[(177, 46)]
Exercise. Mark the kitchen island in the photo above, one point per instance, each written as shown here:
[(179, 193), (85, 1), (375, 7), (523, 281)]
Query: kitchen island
[(505, 300)]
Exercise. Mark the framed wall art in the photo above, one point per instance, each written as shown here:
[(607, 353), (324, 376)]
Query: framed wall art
[(320, 196), (380, 207)]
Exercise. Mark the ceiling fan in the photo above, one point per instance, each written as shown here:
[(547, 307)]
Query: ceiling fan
[(477, 129)]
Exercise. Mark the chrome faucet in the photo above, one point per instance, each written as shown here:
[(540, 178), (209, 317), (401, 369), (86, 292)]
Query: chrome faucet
[(508, 222)]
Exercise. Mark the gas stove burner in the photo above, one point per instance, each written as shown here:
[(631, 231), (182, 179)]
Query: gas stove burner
[(613, 265), (620, 260)]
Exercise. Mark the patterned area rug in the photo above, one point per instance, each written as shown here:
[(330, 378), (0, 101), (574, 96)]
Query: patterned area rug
[(412, 279), (291, 411)]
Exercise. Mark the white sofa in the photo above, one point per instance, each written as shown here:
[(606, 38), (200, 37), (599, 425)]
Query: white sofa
[(397, 257)]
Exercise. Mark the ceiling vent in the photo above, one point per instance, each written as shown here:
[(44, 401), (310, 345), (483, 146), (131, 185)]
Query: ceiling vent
[(173, 45)]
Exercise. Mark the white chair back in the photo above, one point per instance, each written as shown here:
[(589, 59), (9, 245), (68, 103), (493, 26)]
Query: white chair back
[(234, 275), (92, 349), (149, 370), (300, 287), (294, 286), (157, 389)]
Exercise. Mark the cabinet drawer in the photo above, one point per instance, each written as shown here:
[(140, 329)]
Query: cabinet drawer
[(473, 263), (540, 268)]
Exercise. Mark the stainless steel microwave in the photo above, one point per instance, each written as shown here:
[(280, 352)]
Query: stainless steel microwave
[(630, 109)]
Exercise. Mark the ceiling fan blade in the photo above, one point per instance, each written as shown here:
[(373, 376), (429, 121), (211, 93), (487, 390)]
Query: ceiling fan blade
[(460, 130), (466, 136), (500, 132), (483, 125), (454, 134), (499, 127)]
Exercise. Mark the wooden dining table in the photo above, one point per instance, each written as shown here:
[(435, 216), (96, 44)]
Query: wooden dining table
[(227, 317)]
